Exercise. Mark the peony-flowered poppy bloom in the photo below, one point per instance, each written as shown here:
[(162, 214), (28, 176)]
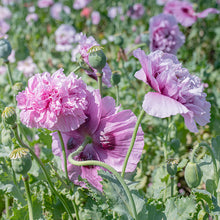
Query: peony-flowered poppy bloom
[(165, 34), (111, 133), (27, 67), (57, 9), (55, 102), (136, 11), (184, 12), (83, 49), (79, 4), (176, 90)]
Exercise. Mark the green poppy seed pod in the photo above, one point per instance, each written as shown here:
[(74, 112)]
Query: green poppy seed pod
[(17, 87), (193, 175), (21, 161), (6, 137), (116, 78), (9, 115), (97, 60), (83, 64), (5, 49), (172, 167), (118, 40)]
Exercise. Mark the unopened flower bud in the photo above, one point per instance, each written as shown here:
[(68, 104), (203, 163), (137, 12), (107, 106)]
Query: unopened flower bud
[(17, 87), (116, 78), (6, 137), (5, 49), (21, 160), (9, 115), (193, 175), (118, 40), (97, 60), (83, 64), (172, 167)]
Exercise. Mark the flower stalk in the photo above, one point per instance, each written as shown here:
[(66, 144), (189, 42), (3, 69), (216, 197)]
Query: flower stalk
[(99, 76)]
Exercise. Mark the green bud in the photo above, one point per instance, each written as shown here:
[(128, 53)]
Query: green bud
[(17, 87), (175, 144), (116, 78), (97, 60), (118, 40), (5, 49), (21, 161), (193, 175), (83, 64), (6, 137), (9, 115), (172, 167)]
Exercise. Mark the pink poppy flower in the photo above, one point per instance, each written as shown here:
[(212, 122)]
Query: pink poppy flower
[(31, 18), (84, 45), (86, 12), (165, 34), (44, 3), (4, 28), (176, 91), (184, 12), (57, 9), (79, 4), (5, 13), (27, 67), (136, 11), (111, 133), (55, 102), (95, 16)]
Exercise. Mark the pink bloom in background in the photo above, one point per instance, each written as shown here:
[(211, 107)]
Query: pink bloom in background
[(9, 2), (136, 11), (111, 133), (114, 11), (86, 12), (5, 13), (57, 9), (184, 12), (4, 28), (3, 70), (84, 45), (79, 4), (165, 34), (65, 37), (55, 102), (31, 17), (95, 17), (176, 91), (44, 3), (162, 2), (27, 67), (11, 57)]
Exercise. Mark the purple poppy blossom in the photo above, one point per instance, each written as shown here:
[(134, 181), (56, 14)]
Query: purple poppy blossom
[(136, 11), (31, 17), (55, 102), (65, 37), (111, 133), (95, 16), (163, 2), (79, 4), (4, 28), (84, 45), (184, 12), (176, 91), (44, 3), (165, 34), (57, 9), (27, 67), (114, 11), (5, 13)]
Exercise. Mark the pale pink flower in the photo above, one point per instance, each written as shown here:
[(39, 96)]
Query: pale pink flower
[(79, 4), (162, 2), (4, 28), (31, 17), (176, 91), (57, 9), (95, 16), (114, 11), (3, 70), (111, 133), (5, 13), (136, 11), (84, 45), (11, 57), (65, 37), (9, 2), (55, 102), (184, 12), (27, 67), (165, 34), (44, 3)]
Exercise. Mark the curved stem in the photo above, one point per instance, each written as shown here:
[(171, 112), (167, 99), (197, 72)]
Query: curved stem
[(117, 95), (192, 160), (132, 142), (44, 171), (99, 76), (29, 201), (172, 184), (9, 74), (7, 206), (112, 170), (76, 69)]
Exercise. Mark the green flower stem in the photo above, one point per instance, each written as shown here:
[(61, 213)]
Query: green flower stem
[(44, 171), (111, 169), (172, 184), (9, 74), (66, 172), (29, 201), (7, 206), (76, 69), (99, 76), (117, 95), (132, 142)]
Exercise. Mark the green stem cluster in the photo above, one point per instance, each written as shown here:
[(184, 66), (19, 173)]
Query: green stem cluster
[(29, 201)]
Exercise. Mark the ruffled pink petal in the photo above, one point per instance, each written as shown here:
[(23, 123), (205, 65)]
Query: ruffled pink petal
[(189, 122), (108, 106), (206, 12), (141, 75), (161, 106)]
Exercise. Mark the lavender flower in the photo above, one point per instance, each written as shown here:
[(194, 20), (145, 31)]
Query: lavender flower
[(44, 3), (79, 4), (27, 67), (57, 9), (136, 11), (95, 17), (31, 17)]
